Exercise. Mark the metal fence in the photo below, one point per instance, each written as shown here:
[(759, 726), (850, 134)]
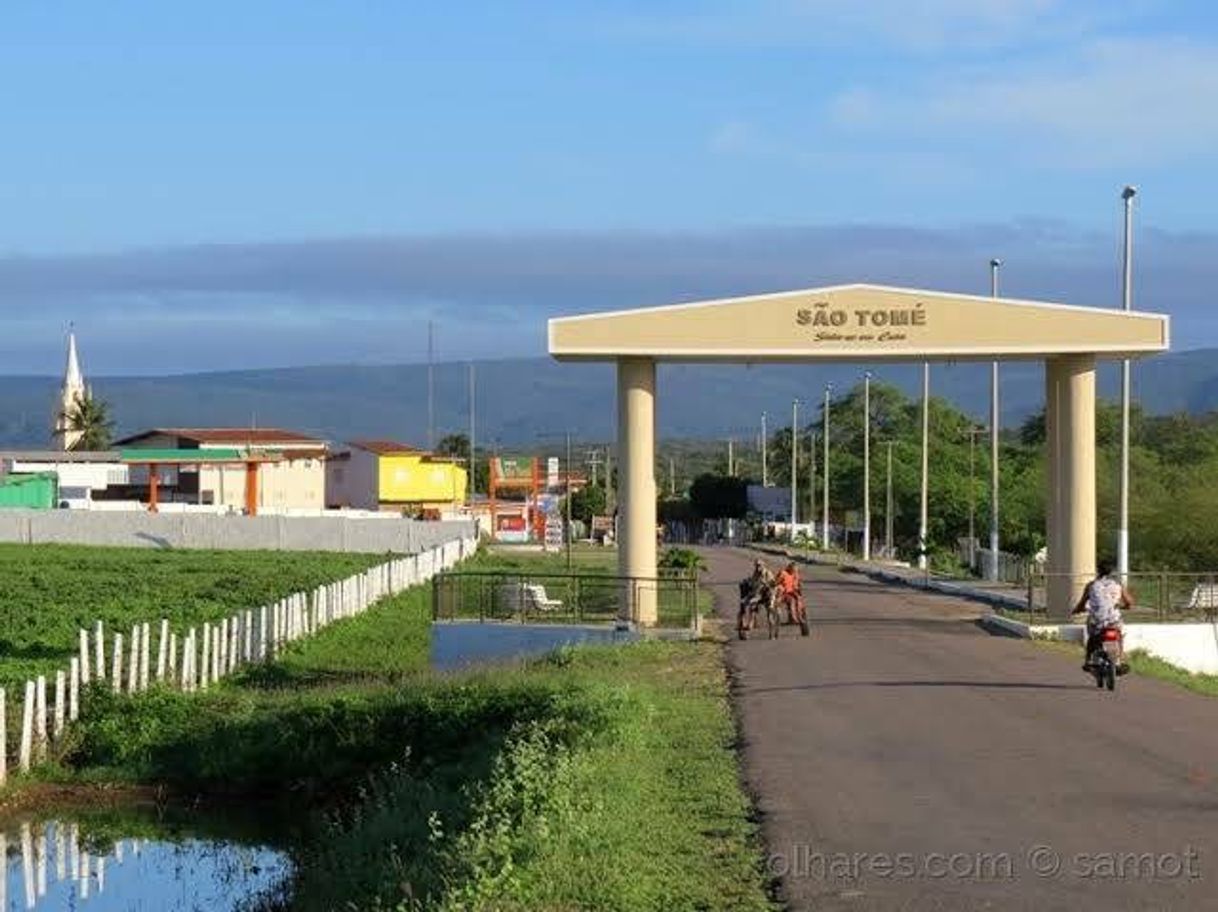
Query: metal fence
[(1157, 597), (580, 598)]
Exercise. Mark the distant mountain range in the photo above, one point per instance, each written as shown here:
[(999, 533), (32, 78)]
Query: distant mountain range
[(522, 401)]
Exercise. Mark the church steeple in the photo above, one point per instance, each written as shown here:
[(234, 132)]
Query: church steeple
[(63, 437)]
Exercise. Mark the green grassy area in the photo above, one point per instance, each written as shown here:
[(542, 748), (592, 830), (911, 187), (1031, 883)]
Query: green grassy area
[(48, 592), (1143, 663), (598, 778)]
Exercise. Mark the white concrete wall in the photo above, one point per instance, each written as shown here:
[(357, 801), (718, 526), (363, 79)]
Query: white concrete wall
[(1193, 647), (200, 530)]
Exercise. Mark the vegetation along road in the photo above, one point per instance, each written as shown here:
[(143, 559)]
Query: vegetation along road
[(598, 778)]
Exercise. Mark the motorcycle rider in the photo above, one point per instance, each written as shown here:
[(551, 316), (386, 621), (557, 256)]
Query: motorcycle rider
[(1103, 599)]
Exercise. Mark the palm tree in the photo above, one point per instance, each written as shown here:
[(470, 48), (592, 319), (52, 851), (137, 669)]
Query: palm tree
[(90, 419)]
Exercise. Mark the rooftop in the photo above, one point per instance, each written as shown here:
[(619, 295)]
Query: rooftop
[(247, 436)]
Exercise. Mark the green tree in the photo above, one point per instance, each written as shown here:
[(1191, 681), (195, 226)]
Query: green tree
[(90, 418), (588, 502), (718, 497), (456, 446)]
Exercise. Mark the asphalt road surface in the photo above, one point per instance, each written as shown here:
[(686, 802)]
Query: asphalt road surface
[(904, 759)]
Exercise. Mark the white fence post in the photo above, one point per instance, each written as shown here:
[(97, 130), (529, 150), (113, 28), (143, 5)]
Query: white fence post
[(133, 667), (84, 656), (3, 738), (162, 650), (73, 689), (116, 670), (40, 718), (145, 652), (61, 682), (27, 728), (205, 659), (99, 636)]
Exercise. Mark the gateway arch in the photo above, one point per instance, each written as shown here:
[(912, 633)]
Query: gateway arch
[(866, 323)]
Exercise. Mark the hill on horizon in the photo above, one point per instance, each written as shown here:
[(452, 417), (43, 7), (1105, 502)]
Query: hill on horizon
[(521, 401)]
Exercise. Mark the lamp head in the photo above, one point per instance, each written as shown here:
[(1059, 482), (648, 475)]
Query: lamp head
[(995, 263), (1129, 192)]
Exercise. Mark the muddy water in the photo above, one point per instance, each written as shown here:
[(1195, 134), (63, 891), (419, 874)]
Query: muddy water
[(62, 863)]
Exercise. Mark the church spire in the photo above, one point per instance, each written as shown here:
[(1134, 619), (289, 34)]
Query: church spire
[(63, 437)]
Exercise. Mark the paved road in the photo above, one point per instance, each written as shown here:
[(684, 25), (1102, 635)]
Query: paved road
[(902, 758)]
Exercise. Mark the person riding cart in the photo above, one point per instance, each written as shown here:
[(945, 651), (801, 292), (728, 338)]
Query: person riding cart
[(790, 591)]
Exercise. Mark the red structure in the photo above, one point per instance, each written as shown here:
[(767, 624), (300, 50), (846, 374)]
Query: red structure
[(514, 474)]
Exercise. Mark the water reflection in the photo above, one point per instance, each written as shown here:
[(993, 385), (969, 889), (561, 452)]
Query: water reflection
[(459, 643), (54, 865)]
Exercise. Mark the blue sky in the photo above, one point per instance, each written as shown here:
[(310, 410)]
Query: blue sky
[(223, 185)]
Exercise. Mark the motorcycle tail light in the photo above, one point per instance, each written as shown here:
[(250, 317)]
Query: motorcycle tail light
[(1112, 634)]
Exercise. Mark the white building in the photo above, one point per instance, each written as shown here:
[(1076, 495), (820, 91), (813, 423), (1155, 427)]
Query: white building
[(82, 475)]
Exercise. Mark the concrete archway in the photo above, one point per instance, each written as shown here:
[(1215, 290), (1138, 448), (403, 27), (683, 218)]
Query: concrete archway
[(867, 323)]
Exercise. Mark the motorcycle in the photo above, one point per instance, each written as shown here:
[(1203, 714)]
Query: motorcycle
[(1105, 660)]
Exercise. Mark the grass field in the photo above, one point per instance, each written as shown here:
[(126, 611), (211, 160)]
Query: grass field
[(596, 778), (48, 592)]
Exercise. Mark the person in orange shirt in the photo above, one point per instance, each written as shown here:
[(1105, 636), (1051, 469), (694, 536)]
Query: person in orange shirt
[(791, 592)]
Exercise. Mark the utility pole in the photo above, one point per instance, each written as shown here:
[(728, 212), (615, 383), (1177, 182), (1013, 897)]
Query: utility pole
[(672, 478), (731, 459), (812, 481), (594, 461), (867, 466), (473, 465), (794, 466), (992, 569), (922, 522), (431, 388), (888, 508), (568, 535), (1127, 300), (765, 478), (825, 498), (972, 494)]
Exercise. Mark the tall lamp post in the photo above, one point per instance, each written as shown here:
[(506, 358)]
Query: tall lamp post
[(922, 523), (867, 466), (888, 508), (992, 569), (765, 476), (825, 496), (1127, 294), (794, 455)]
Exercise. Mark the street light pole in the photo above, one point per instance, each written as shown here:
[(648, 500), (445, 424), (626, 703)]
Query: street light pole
[(812, 482), (888, 509), (867, 466), (992, 573), (1127, 294), (765, 478), (922, 522), (825, 497), (568, 536), (794, 465)]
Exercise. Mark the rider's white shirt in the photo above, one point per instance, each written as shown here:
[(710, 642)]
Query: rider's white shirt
[(1103, 602)]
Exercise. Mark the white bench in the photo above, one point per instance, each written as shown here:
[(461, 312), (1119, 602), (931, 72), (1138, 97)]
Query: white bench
[(1204, 598), (520, 598)]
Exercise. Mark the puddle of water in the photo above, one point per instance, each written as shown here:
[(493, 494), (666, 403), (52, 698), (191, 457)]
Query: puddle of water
[(455, 644), (51, 865)]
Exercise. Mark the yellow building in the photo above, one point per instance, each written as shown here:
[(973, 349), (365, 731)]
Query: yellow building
[(385, 475)]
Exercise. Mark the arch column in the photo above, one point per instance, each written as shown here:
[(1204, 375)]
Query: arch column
[(1070, 505), (636, 556)]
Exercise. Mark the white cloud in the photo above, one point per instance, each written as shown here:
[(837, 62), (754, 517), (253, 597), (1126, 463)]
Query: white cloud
[(1111, 103)]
